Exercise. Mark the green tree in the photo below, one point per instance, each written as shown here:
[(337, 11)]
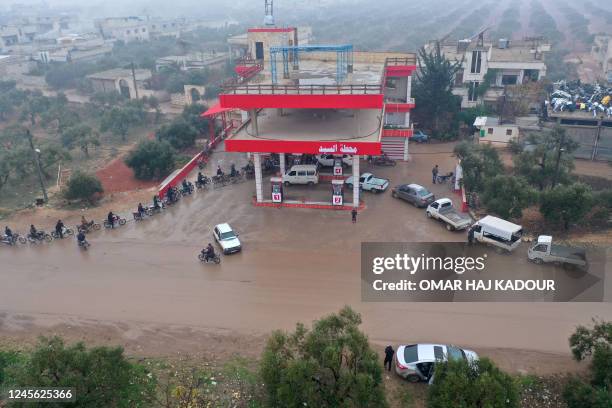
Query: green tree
[(479, 163), (82, 136), (507, 196), (331, 365), (549, 159), (120, 119), (459, 383), (35, 106), (101, 376), (595, 342), (151, 159), (83, 186), (179, 134), (566, 204), (437, 107), (193, 115)]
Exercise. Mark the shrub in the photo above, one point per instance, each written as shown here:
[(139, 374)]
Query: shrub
[(151, 159), (83, 186)]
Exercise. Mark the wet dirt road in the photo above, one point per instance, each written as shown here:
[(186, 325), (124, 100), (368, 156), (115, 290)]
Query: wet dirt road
[(296, 265)]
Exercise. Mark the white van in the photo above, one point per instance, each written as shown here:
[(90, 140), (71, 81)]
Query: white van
[(301, 174)]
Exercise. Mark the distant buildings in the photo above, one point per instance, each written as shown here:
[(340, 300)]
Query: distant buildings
[(506, 62), (128, 29), (196, 60), (131, 85)]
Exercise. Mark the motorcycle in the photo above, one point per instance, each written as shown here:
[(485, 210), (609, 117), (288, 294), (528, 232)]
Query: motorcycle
[(441, 179), (187, 190), (216, 259), (13, 240), (384, 161), (204, 183), (83, 245), (65, 230), (116, 220), (152, 209), (40, 237), (87, 228)]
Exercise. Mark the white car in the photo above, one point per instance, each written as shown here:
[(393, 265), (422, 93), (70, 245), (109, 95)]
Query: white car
[(416, 362), (368, 182), (328, 160), (227, 238)]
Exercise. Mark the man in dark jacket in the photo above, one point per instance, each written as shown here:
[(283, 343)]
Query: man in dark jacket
[(389, 357)]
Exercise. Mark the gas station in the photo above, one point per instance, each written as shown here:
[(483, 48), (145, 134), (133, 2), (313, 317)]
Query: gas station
[(316, 100)]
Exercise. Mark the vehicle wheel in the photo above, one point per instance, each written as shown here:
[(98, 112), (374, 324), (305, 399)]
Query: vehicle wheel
[(69, 231), (97, 227), (286, 183), (201, 257), (22, 240), (450, 227), (393, 163), (538, 261), (428, 214), (48, 238), (394, 195), (217, 260), (350, 186), (54, 234), (374, 191), (311, 183), (413, 378), (122, 221)]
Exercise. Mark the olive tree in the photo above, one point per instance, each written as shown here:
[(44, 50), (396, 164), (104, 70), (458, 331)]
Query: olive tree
[(83, 186), (330, 365)]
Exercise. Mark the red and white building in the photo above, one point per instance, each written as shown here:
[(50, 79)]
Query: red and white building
[(314, 99)]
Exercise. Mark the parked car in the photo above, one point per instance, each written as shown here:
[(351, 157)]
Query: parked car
[(416, 362), (415, 194), (443, 210), (368, 182), (544, 251), (328, 160), (493, 231), (301, 174), (227, 238), (419, 137)]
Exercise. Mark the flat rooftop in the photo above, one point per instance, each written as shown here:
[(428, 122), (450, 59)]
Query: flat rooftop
[(361, 125)]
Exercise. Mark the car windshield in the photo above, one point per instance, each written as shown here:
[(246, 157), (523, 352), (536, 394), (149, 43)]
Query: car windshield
[(455, 353), (422, 192), (410, 354), (228, 235)]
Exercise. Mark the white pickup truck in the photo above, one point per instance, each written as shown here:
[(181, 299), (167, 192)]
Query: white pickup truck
[(443, 210), (544, 251), (501, 234), (368, 182)]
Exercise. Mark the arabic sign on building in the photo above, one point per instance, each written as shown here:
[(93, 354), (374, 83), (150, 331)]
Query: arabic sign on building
[(311, 147)]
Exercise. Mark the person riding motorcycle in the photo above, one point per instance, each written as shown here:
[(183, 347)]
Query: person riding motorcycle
[(186, 186), (141, 210), (110, 218), (34, 234), (81, 238), (59, 229), (219, 171), (201, 179), (209, 252), (170, 194), (8, 233), (156, 202), (233, 172)]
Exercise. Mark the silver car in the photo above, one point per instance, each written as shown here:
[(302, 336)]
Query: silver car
[(227, 238), (415, 194), (416, 362)]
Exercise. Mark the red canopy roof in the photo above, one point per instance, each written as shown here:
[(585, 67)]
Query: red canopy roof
[(215, 110)]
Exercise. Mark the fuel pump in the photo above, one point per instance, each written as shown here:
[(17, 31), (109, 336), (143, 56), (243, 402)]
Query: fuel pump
[(337, 167), (277, 189), (337, 192)]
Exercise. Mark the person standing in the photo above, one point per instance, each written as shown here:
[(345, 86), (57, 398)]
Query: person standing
[(434, 174), (354, 215), (59, 229), (389, 352)]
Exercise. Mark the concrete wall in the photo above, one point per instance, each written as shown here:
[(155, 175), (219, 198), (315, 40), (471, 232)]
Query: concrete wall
[(590, 147)]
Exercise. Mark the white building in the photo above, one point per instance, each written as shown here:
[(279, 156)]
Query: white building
[(492, 132), (126, 29), (509, 63)]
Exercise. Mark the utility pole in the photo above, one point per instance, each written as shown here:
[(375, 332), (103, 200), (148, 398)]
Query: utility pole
[(35, 152), (560, 150), (134, 79)]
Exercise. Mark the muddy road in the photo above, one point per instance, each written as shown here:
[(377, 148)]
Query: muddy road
[(296, 265)]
